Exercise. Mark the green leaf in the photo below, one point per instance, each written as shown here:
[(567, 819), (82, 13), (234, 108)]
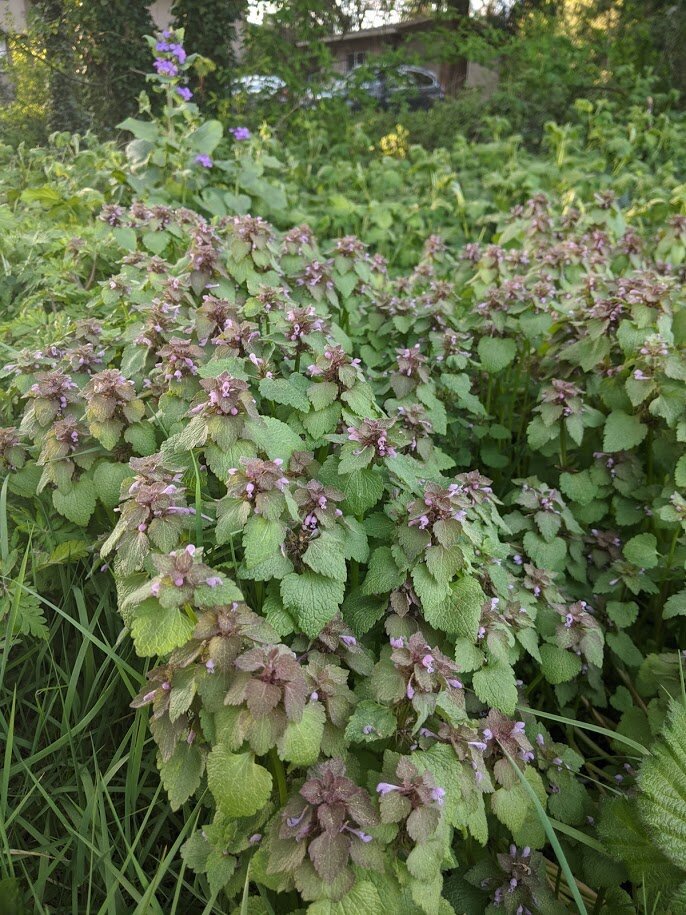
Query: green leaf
[(675, 605), (546, 555), (641, 551), (107, 479), (325, 555), (496, 353), (362, 898), (431, 593), (182, 773), (275, 438), (625, 649), (460, 612), (312, 599), (142, 438), (322, 394), (239, 786), (383, 575), (558, 665), (362, 490), (680, 472), (578, 487), (206, 137), (157, 631), (300, 743), (79, 504), (662, 783), (495, 685), (262, 538), (623, 431), (284, 392), (370, 721)]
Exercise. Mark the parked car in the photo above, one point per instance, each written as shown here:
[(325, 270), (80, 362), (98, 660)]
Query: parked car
[(258, 86), (388, 87)]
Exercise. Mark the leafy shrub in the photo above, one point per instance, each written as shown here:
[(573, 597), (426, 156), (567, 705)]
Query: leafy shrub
[(372, 531)]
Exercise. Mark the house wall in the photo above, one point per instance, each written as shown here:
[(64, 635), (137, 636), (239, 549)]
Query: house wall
[(482, 78), (13, 15)]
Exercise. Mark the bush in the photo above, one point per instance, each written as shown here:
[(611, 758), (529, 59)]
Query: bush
[(383, 542)]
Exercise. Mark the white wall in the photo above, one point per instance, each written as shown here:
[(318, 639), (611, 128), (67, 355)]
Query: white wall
[(13, 15), (160, 10)]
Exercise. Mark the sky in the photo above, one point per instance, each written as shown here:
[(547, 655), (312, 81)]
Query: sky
[(257, 9)]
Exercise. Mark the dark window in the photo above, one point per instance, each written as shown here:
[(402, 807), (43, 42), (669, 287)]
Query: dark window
[(356, 59)]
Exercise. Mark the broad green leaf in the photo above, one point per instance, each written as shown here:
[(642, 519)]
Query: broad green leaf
[(623, 431), (312, 599), (495, 685), (300, 743), (238, 784)]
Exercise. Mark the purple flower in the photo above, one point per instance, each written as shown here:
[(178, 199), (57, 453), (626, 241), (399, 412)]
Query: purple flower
[(360, 835), (166, 68), (386, 788), (349, 640), (240, 133), (204, 160), (437, 795), (178, 51), (397, 642), (213, 581), (295, 821), (184, 92)]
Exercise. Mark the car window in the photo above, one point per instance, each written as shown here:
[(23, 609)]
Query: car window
[(423, 80)]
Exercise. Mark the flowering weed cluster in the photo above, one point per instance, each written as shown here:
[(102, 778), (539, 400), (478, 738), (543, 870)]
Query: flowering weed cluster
[(364, 526)]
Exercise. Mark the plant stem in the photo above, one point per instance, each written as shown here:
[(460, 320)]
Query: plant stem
[(563, 445), (279, 774)]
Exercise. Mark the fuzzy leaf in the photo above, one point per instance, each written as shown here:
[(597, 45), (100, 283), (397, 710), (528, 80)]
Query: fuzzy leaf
[(460, 612), (641, 550), (262, 538), (496, 353), (662, 782), (157, 631), (495, 685), (182, 773), (284, 392), (274, 437), (107, 479), (623, 431), (370, 721), (238, 784), (325, 556), (301, 741), (383, 574), (558, 665), (312, 599), (79, 504)]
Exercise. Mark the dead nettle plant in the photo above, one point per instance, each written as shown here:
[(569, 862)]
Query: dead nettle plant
[(361, 524)]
